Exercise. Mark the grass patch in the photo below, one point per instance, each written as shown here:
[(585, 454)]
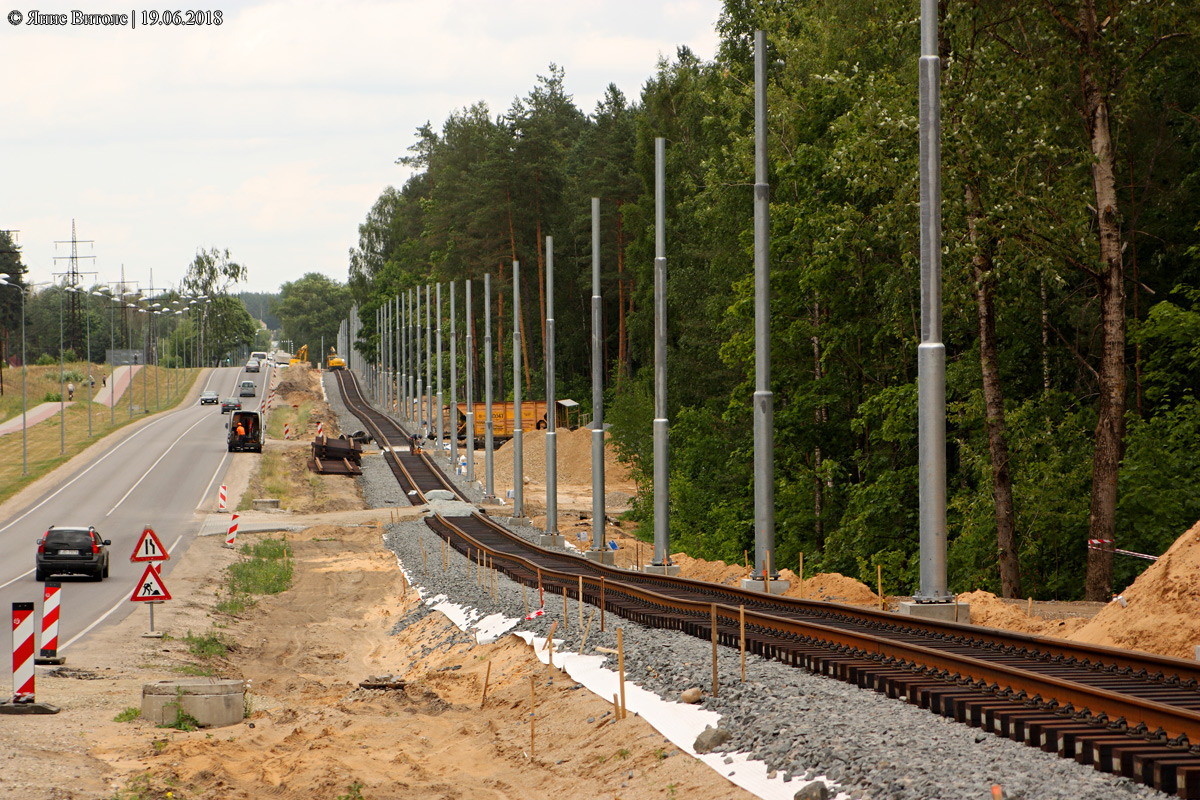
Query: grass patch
[(206, 645), (44, 437), (128, 715), (274, 479), (297, 419), (194, 671), (266, 569)]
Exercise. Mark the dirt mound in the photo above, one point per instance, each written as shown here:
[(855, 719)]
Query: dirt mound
[(824, 586), (993, 612), (574, 460), (831, 586), (1160, 615), (712, 571), (300, 378)]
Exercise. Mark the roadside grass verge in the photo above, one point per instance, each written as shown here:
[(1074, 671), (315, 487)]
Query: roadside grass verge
[(47, 438), (297, 419), (274, 479)]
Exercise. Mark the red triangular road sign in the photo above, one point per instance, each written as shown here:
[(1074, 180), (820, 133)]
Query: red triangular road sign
[(149, 548), (150, 587)]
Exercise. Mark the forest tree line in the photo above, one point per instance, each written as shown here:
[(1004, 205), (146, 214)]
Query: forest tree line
[(1071, 278)]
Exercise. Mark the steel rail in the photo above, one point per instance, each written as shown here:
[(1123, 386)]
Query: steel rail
[(1079, 700), (1172, 719)]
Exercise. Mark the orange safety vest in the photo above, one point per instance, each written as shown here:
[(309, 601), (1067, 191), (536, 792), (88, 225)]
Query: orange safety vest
[(240, 430)]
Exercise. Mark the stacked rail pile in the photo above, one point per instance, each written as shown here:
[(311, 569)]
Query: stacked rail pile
[(336, 456)]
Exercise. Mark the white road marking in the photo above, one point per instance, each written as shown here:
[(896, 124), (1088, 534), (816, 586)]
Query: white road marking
[(155, 464), (14, 580), (212, 480), (106, 614), (86, 471)]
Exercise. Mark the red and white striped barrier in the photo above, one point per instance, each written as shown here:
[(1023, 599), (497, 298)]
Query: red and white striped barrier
[(231, 539), (1119, 550), (22, 651), (50, 604), (287, 433), (221, 498), (320, 429)]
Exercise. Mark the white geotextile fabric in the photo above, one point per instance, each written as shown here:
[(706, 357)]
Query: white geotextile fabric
[(679, 722)]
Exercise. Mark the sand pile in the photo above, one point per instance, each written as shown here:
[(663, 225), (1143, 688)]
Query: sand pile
[(1161, 612), (831, 586), (574, 459), (993, 612), (300, 378), (824, 586)]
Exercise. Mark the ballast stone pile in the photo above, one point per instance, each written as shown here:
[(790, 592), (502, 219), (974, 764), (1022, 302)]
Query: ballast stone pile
[(803, 725)]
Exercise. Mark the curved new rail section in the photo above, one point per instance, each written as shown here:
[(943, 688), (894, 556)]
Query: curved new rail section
[(1124, 712)]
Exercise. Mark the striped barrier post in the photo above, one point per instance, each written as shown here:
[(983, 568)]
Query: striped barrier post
[(22, 652), (222, 497), (286, 430), (50, 606), (320, 429), (231, 539)]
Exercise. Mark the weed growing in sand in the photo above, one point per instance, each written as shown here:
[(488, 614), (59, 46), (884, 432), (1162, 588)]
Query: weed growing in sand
[(128, 715), (623, 753), (660, 754), (266, 570), (354, 792), (183, 720), (194, 671), (207, 645), (136, 788), (671, 790)]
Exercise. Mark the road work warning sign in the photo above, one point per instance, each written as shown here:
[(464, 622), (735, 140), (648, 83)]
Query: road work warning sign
[(149, 548), (150, 587)]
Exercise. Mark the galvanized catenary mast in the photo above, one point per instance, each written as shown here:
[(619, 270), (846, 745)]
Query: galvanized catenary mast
[(931, 353), (518, 466), (662, 495), (597, 550), (489, 489)]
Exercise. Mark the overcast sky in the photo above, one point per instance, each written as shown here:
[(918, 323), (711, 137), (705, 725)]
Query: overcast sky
[(273, 133)]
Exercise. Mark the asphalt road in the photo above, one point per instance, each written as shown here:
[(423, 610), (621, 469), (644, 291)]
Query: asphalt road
[(161, 475)]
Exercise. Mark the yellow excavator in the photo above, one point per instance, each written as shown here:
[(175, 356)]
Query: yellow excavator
[(300, 356), (334, 361)]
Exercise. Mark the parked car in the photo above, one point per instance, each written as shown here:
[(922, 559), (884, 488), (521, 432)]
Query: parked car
[(253, 365), (230, 404), (209, 397), (248, 389), (75, 550)]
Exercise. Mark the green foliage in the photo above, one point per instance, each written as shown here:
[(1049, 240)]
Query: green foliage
[(845, 274), (129, 714), (266, 570), (45, 360), (353, 791), (1159, 487), (207, 645), (310, 310)]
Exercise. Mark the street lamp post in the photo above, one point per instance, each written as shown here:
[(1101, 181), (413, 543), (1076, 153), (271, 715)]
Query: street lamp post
[(24, 382)]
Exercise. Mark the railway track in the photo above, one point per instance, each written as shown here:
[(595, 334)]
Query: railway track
[(1122, 712)]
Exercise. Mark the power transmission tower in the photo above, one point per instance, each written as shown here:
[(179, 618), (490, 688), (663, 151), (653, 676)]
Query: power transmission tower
[(71, 279)]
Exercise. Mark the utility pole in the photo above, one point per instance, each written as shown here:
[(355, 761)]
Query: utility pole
[(552, 537), (597, 552)]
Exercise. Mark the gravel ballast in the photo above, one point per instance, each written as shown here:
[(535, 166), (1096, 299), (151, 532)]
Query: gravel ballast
[(800, 724)]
